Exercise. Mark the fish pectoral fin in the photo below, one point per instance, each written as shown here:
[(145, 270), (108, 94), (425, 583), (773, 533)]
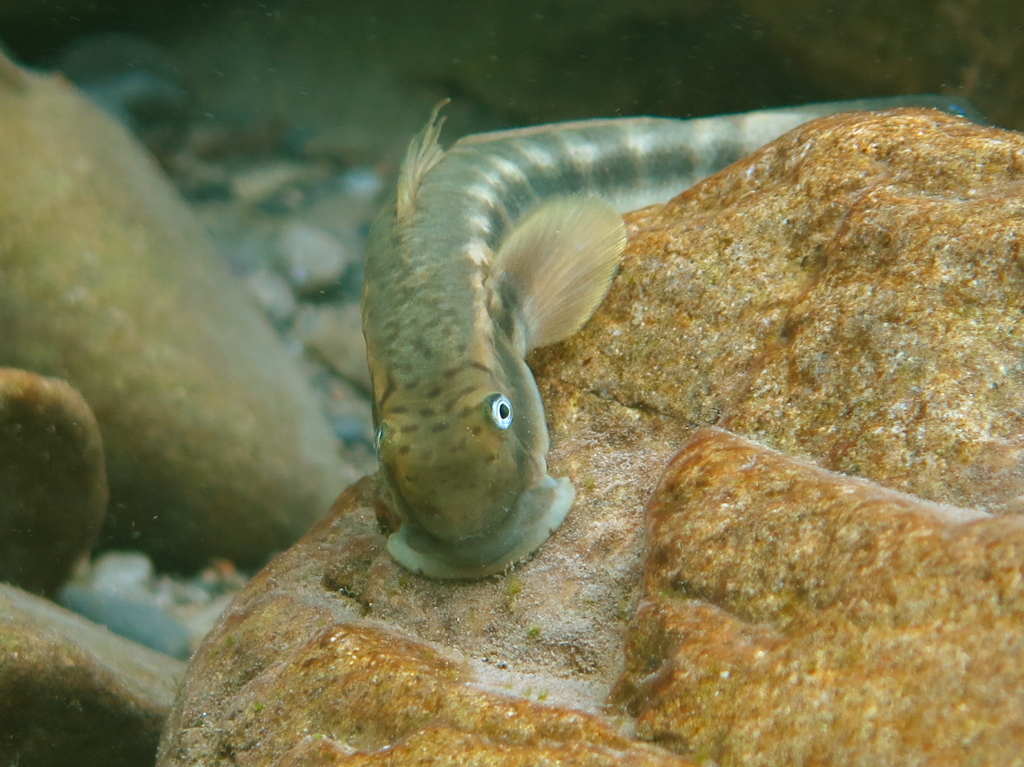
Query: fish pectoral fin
[(562, 258)]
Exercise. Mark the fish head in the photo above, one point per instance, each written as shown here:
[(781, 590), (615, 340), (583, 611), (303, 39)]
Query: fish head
[(457, 466)]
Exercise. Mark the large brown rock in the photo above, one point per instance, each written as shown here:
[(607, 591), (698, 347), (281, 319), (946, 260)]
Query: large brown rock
[(848, 293), (73, 693), (795, 616), (299, 653), (215, 445), (852, 292), (53, 486)]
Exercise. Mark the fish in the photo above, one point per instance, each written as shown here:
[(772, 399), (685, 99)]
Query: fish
[(503, 243)]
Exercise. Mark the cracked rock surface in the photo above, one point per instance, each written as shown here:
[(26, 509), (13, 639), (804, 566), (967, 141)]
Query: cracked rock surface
[(849, 294)]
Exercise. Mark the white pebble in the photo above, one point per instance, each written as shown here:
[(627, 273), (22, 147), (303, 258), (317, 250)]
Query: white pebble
[(313, 259), (362, 183), (124, 573), (273, 294)]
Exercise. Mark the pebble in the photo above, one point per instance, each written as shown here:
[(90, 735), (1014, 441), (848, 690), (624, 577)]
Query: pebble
[(313, 259), (264, 181), (274, 295), (138, 621), (334, 334), (53, 482), (123, 573), (350, 413), (169, 614), (352, 429), (196, 178), (362, 183)]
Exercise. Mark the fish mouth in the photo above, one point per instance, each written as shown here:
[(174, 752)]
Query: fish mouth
[(538, 512)]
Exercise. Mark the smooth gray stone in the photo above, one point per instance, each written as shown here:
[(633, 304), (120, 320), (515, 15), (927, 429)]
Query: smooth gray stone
[(138, 621)]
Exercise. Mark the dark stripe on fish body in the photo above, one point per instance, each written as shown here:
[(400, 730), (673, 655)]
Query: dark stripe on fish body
[(611, 158)]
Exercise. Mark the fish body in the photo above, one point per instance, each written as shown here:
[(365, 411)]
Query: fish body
[(505, 242)]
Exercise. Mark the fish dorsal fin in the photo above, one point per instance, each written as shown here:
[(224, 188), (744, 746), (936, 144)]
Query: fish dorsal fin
[(561, 259), (423, 154)]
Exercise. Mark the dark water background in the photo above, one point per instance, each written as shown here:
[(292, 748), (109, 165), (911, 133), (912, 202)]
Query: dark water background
[(523, 62)]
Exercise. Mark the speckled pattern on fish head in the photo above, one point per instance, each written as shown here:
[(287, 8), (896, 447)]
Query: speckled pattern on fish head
[(458, 453)]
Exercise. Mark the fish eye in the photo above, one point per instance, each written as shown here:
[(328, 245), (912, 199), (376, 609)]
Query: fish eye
[(501, 411)]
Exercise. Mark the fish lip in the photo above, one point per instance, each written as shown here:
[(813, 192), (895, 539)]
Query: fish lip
[(538, 513)]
